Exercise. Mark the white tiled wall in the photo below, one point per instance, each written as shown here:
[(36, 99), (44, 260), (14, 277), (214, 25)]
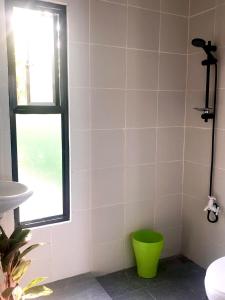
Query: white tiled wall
[(127, 80), (203, 242)]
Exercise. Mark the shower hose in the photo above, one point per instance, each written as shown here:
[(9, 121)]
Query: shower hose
[(212, 216)]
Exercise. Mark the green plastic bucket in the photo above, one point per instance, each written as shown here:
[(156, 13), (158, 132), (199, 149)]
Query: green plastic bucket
[(147, 247)]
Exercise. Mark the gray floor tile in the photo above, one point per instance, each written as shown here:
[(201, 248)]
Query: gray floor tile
[(177, 279), (171, 292), (118, 283), (82, 287), (141, 294)]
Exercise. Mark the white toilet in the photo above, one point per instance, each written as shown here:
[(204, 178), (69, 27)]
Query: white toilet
[(215, 280)]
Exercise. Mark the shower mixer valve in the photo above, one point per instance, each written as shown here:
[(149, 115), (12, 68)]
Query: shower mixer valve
[(212, 206)]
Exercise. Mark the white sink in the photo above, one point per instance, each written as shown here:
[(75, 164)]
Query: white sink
[(12, 194)]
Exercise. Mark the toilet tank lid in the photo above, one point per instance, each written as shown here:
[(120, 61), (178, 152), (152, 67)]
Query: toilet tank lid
[(215, 275)]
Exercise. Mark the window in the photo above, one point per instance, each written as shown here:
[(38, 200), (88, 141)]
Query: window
[(37, 62)]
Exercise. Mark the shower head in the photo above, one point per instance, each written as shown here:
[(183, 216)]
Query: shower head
[(208, 48), (198, 43)]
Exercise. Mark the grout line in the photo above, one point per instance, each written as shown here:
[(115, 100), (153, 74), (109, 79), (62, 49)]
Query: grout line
[(185, 122), (173, 14), (202, 12), (125, 47), (194, 197), (144, 8), (125, 139), (204, 165), (119, 129), (90, 253), (196, 163), (147, 164), (129, 89), (196, 127), (125, 203), (157, 122)]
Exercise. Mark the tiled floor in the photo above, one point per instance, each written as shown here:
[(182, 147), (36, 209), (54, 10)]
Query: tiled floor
[(177, 278)]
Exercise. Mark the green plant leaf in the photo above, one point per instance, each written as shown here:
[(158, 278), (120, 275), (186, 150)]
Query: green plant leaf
[(27, 250), (19, 235), (9, 257), (7, 292), (3, 234), (17, 293), (20, 270), (37, 291), (34, 282)]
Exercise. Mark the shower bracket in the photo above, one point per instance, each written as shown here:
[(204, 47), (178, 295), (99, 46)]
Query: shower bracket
[(207, 114)]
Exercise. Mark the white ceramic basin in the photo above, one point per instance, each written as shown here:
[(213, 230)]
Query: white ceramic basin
[(12, 194)]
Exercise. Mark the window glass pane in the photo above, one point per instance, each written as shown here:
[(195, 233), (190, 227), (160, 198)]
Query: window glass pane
[(34, 54), (39, 148)]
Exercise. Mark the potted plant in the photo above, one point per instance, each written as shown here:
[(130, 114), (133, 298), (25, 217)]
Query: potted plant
[(13, 265)]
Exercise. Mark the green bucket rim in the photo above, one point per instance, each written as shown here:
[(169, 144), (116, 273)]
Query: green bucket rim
[(156, 237)]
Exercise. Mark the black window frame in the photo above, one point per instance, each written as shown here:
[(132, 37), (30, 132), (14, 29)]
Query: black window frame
[(59, 107)]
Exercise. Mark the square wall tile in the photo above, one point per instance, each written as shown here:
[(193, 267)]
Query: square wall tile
[(107, 224), (178, 7), (169, 178), (40, 235), (192, 211), (173, 33), (150, 4), (80, 188), (201, 26), (220, 149), (220, 120), (192, 244), (107, 108), (196, 72), (107, 187), (38, 266), (139, 215), (170, 143), (201, 5), (79, 108), (220, 23), (78, 65), (219, 189), (143, 29), (196, 180), (220, 2), (142, 70), (171, 108), (198, 145), (221, 67), (108, 257), (107, 148), (122, 2), (80, 149), (168, 211), (107, 67), (140, 183), (108, 23), (61, 260), (172, 72), (129, 259), (172, 240), (141, 109), (141, 146), (78, 21)]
